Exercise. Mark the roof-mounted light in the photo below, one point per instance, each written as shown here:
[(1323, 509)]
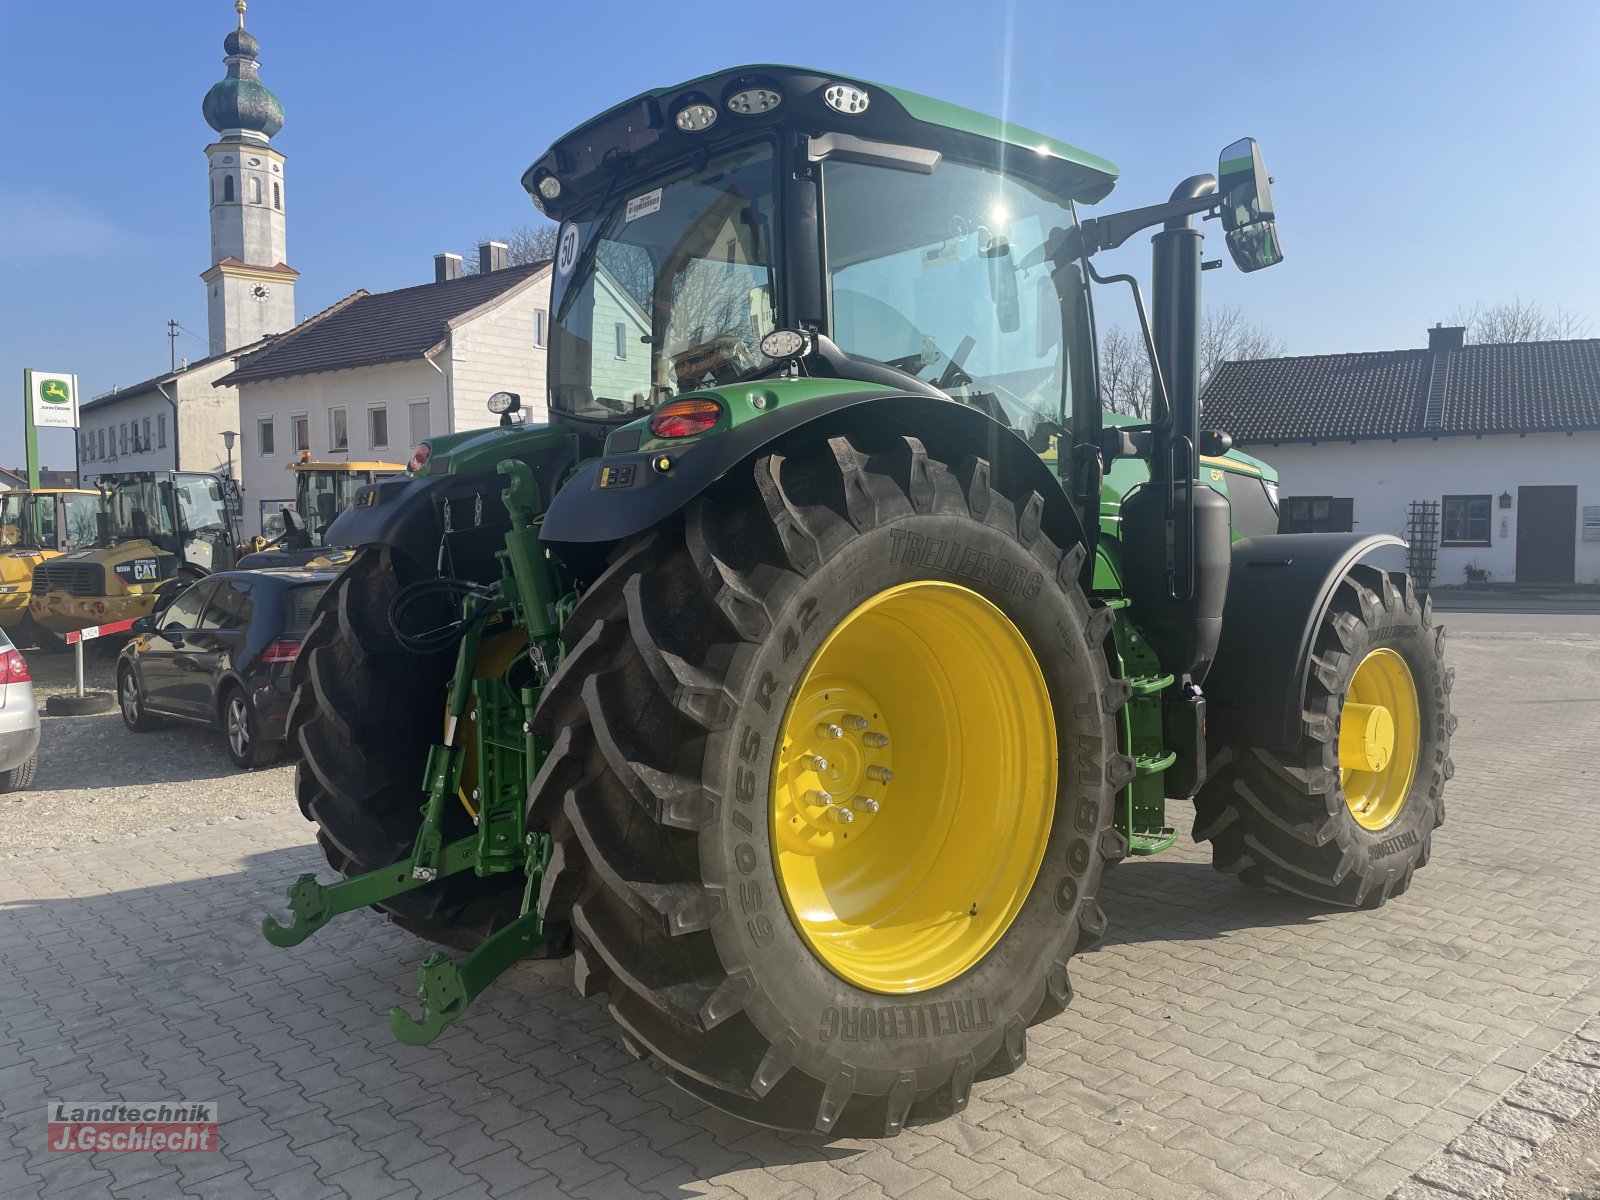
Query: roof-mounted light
[(752, 102), (549, 187), (696, 117), (504, 402), (846, 98)]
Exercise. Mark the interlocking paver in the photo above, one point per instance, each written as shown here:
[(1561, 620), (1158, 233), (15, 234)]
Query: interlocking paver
[(1223, 1043)]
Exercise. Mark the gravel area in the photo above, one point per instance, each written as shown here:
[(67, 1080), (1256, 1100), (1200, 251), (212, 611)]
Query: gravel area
[(98, 782), (1567, 1167)]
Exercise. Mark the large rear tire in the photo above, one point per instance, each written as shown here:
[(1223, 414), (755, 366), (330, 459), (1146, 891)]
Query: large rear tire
[(737, 942), (363, 714), (1347, 815)]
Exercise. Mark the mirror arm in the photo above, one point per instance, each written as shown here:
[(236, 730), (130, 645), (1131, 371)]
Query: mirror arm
[(1110, 231)]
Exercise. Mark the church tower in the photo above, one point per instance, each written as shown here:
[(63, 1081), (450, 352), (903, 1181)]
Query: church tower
[(249, 286)]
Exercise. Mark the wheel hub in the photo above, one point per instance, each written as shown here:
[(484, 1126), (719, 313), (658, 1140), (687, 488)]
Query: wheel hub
[(1380, 732), (913, 787)]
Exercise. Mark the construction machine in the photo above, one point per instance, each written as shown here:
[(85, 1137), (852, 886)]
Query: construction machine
[(804, 674), (36, 525), (322, 490), (155, 531)]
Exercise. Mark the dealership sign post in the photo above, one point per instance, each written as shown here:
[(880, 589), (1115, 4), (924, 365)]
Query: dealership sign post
[(50, 401)]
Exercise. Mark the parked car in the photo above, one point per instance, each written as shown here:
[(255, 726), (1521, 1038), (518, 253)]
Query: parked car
[(220, 655), (19, 720)]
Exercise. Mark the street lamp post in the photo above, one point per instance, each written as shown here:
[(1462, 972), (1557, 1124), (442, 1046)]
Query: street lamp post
[(227, 440)]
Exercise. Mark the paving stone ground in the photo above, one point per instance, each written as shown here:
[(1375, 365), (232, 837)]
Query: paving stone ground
[(1223, 1042)]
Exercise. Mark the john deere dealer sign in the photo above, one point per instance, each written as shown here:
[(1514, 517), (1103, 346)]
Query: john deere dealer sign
[(55, 400)]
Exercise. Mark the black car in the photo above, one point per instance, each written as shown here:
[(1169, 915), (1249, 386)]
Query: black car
[(220, 655)]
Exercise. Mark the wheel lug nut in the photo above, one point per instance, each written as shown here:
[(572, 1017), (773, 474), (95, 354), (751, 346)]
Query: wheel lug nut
[(842, 815), (853, 722), (814, 761), (818, 796), (865, 805), (881, 774), (876, 741), (829, 732)]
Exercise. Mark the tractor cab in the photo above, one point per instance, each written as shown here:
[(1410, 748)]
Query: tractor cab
[(152, 528)]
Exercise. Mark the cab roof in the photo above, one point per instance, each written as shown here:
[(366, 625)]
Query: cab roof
[(639, 134)]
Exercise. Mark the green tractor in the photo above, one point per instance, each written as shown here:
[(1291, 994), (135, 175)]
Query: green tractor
[(804, 675)]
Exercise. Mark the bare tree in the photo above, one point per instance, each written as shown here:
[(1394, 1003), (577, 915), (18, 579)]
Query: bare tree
[(1518, 320), (1124, 373), (525, 244), (1226, 336)]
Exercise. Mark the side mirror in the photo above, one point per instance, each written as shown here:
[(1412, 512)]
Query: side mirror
[(143, 626), (1247, 213)]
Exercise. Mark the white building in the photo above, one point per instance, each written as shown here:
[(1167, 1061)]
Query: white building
[(172, 422), (1486, 459), (376, 373)]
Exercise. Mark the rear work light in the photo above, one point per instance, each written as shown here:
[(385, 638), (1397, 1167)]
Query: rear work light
[(282, 650), (14, 668), (684, 418), (419, 457)]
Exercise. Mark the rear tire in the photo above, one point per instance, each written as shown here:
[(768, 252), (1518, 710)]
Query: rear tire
[(668, 716), (1281, 820), (241, 732), (20, 778), (363, 714)]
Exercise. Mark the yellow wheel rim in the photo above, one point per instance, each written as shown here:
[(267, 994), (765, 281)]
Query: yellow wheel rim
[(1380, 731), (913, 789)]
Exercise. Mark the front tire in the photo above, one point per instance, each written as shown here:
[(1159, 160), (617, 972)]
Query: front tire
[(692, 844), (1346, 815)]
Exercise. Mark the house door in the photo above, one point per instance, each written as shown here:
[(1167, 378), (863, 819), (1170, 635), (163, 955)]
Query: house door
[(1547, 534)]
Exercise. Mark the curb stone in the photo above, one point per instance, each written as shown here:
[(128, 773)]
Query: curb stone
[(1556, 1091)]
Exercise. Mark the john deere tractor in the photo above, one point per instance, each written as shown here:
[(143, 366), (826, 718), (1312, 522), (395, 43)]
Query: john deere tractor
[(156, 529), (322, 490), (36, 525), (802, 677)]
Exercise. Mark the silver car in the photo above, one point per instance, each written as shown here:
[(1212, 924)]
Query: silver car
[(19, 720)]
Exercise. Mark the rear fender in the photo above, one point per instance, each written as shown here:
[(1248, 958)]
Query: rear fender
[(613, 498), (1279, 590)]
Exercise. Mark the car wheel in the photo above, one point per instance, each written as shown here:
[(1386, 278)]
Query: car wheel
[(20, 778), (246, 746), (131, 703)]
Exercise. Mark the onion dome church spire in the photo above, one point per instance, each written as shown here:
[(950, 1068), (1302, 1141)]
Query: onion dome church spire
[(240, 104), (249, 285)]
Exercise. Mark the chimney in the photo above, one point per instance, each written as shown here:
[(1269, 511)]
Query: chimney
[(1446, 337), (446, 266), (492, 257)]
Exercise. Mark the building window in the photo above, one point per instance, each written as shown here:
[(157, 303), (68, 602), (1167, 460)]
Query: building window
[(1316, 514), (622, 340), (265, 434), (378, 427), (255, 189), (161, 430), (338, 430), (146, 445), (227, 188), (100, 443), (302, 432), (1465, 521), (277, 196), (123, 438), (539, 318), (420, 424)]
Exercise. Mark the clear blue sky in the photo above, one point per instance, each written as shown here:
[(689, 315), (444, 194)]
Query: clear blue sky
[(1427, 156)]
